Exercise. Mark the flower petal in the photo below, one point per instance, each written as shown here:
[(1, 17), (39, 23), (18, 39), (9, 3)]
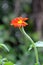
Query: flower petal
[(18, 22)]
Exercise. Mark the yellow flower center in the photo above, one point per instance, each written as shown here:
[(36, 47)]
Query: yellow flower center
[(20, 21)]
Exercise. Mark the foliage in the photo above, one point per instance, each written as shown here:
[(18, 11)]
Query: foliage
[(18, 51)]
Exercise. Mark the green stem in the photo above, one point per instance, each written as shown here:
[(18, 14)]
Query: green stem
[(28, 37)]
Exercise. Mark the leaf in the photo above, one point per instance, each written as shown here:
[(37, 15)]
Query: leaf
[(0, 57), (39, 44), (0, 62), (4, 59), (8, 63), (3, 45), (31, 46), (37, 63)]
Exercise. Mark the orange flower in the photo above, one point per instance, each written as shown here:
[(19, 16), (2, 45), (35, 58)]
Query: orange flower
[(19, 22)]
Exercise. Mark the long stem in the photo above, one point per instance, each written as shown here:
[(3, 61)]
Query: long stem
[(28, 37)]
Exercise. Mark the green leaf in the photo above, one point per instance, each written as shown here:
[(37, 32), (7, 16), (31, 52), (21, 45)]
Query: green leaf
[(0, 57), (3, 45), (31, 46), (8, 63), (4, 59), (37, 63), (39, 44), (0, 62)]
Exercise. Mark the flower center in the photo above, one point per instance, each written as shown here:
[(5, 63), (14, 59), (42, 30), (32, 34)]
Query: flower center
[(20, 21)]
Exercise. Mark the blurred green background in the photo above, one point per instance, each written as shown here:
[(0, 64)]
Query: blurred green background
[(13, 38)]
